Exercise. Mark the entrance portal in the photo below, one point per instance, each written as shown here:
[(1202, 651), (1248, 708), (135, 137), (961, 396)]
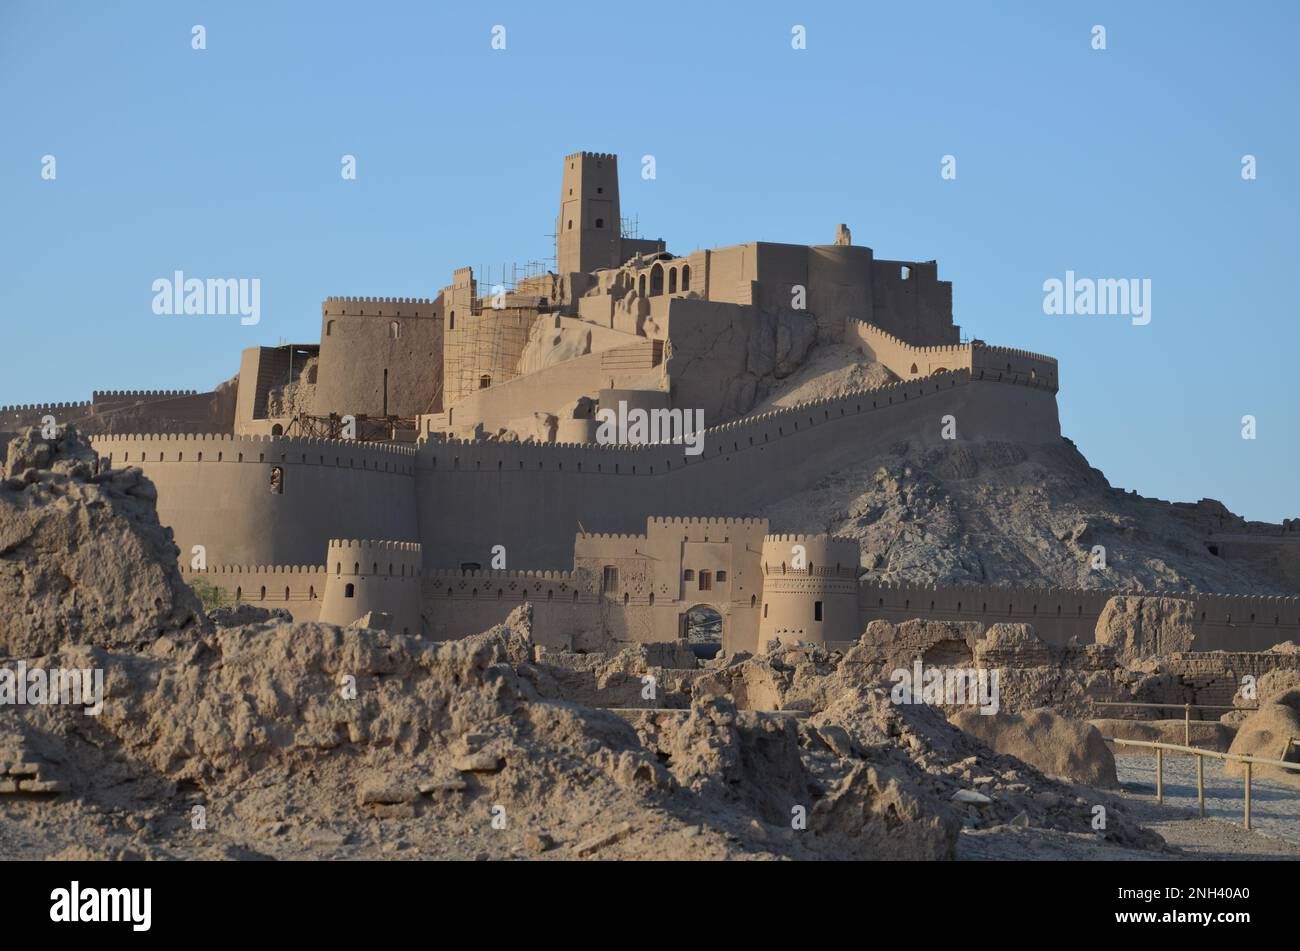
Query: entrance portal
[(702, 628)]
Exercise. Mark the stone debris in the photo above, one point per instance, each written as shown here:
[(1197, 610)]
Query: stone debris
[(21, 773), (596, 843)]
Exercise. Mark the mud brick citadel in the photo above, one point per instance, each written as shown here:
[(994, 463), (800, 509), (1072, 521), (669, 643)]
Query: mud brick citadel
[(387, 468)]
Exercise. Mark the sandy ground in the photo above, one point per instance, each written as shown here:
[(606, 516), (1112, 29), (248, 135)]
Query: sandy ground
[(1275, 813)]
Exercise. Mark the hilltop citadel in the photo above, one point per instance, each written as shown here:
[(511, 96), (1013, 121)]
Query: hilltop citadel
[(390, 466)]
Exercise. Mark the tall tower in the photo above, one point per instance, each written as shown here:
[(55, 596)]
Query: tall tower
[(587, 232)]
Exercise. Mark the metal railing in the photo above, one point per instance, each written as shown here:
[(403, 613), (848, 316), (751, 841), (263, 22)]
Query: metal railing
[(1187, 709), (1200, 755)]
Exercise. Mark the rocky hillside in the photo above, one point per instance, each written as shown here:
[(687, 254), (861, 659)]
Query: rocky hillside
[(1011, 515)]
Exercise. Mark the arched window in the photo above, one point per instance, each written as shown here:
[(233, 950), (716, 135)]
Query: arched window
[(914, 368), (686, 277), (394, 330), (484, 381), (349, 590), (329, 328), (277, 480), (641, 285), (451, 324), (672, 281), (600, 222), (656, 280)]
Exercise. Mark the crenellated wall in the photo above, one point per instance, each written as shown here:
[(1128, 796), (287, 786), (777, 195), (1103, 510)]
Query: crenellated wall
[(532, 497), (910, 362), (216, 491), (299, 589)]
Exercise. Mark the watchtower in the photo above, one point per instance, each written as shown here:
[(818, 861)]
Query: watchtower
[(587, 231)]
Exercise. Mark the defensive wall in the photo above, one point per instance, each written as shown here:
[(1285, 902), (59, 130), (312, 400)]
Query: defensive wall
[(531, 497), (1221, 621), (909, 362), (221, 492), (298, 588), (459, 498), (170, 411)]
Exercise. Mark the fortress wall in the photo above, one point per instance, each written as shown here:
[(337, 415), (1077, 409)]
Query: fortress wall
[(729, 273), (298, 588), (1273, 556), (487, 342), (215, 491), (361, 362), (916, 308), (839, 286), (900, 356), (22, 415), (1223, 622), (120, 410), (552, 390), (456, 603), (531, 497), (708, 355)]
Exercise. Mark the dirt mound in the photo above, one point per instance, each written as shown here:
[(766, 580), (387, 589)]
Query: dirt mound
[(1265, 734), (1051, 743), (83, 559), (325, 733)]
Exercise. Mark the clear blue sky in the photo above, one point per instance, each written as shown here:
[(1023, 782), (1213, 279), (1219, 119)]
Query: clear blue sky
[(1122, 163)]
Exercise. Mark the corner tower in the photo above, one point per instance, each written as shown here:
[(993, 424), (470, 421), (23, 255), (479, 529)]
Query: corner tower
[(587, 231)]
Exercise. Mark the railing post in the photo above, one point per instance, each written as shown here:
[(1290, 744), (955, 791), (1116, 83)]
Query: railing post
[(1160, 775), (1187, 725), (1247, 795), (1200, 783)]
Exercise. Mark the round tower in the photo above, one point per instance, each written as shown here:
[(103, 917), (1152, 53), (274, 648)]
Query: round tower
[(810, 590), (364, 576)]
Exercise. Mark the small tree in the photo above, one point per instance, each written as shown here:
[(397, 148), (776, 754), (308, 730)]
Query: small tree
[(210, 596)]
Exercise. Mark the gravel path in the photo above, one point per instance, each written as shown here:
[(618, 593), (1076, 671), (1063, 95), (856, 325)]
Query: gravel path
[(1274, 806)]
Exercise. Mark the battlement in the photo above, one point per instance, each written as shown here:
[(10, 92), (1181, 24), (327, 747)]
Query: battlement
[(594, 155), (819, 539), (702, 522), (97, 396), (254, 569), (724, 439), (33, 407), (364, 544), (407, 307), (444, 575), (282, 442)]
